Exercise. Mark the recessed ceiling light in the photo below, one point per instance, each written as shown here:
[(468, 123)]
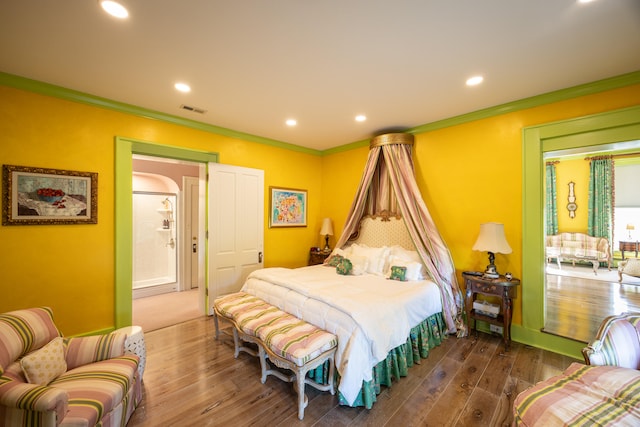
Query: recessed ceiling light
[(182, 87), (361, 118), (114, 8), (475, 80)]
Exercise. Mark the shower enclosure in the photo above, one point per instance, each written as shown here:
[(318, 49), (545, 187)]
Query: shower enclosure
[(154, 243)]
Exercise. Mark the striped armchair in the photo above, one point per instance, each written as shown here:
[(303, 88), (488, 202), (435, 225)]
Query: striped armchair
[(617, 342), (48, 380)]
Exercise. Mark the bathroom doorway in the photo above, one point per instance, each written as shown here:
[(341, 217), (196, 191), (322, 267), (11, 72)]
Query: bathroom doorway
[(165, 224)]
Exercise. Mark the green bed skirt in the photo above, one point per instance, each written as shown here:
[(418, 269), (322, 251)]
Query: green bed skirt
[(421, 339)]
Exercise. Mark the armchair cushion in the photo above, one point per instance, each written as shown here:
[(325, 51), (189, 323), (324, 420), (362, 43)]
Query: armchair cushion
[(46, 364)]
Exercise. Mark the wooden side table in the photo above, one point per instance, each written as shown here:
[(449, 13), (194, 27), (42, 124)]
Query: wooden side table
[(502, 288), (628, 246), (318, 257)]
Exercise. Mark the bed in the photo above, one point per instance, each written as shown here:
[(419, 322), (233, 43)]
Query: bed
[(383, 326)]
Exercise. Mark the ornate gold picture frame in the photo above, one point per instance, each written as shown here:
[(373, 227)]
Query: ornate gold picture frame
[(38, 196)]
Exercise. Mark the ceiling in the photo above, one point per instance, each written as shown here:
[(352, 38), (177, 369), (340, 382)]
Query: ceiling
[(252, 64)]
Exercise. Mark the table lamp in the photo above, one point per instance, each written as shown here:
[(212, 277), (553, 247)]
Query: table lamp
[(630, 228), (492, 239), (326, 231)]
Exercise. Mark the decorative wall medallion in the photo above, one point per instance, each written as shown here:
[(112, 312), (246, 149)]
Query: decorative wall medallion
[(572, 206)]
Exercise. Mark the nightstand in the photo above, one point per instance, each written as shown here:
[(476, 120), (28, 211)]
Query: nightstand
[(502, 288), (317, 257)]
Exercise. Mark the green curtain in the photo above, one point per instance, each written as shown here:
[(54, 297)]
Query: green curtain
[(601, 197), (551, 216)]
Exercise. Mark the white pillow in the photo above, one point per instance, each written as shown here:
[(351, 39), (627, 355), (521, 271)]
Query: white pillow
[(358, 264), (376, 257)]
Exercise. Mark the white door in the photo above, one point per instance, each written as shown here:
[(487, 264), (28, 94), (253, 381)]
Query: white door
[(236, 226)]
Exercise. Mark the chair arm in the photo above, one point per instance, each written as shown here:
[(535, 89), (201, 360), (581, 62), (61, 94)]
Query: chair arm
[(33, 397), (91, 349)]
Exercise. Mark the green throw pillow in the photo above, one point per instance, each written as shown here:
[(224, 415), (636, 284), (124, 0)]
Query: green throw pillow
[(335, 260), (398, 273), (344, 267)]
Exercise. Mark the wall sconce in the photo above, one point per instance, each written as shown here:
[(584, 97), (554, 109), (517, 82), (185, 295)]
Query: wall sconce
[(326, 231), (492, 239)]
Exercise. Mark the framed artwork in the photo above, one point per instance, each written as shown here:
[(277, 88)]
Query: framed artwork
[(287, 207), (37, 196)]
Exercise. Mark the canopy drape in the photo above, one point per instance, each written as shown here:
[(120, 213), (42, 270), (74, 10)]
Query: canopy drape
[(388, 183)]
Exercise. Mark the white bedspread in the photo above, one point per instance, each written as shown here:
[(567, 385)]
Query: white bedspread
[(369, 314)]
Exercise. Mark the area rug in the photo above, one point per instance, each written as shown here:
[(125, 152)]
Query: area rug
[(160, 311), (586, 272)]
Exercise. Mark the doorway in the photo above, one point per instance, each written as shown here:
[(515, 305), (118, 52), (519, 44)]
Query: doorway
[(165, 241), (579, 295), (602, 128)]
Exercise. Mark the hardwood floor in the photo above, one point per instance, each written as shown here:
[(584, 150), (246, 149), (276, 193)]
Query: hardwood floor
[(576, 306), (193, 380)]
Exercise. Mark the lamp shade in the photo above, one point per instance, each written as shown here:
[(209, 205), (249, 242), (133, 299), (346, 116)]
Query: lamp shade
[(492, 239), (630, 227), (327, 227)]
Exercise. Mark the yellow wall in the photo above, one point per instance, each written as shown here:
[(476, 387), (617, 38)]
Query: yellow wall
[(71, 267), (468, 174)]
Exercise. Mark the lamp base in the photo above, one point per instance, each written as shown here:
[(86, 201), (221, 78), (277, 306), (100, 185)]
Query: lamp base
[(326, 244), (491, 272)]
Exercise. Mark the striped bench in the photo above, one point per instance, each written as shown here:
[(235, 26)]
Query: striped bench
[(281, 338)]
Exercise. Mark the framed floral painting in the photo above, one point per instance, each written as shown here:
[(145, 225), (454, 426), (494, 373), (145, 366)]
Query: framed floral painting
[(287, 207)]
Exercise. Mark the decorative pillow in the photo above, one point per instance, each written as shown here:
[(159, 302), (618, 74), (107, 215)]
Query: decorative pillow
[(344, 267), (335, 260), (413, 269), (398, 253), (398, 273), (46, 364)]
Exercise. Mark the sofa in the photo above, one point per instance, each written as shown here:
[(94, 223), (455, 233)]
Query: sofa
[(49, 380), (578, 247)]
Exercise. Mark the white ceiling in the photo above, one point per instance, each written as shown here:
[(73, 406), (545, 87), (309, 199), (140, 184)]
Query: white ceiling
[(252, 64)]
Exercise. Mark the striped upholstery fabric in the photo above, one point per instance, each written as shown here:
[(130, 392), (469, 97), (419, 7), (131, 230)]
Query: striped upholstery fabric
[(582, 396), (294, 339), (83, 350), (617, 342), (233, 304), (99, 389), (286, 335), (24, 331)]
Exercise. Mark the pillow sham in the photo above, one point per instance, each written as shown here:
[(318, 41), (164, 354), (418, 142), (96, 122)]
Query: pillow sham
[(376, 257), (359, 263), (45, 364)]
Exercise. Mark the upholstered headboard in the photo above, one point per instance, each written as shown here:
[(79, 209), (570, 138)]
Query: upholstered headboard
[(384, 229)]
